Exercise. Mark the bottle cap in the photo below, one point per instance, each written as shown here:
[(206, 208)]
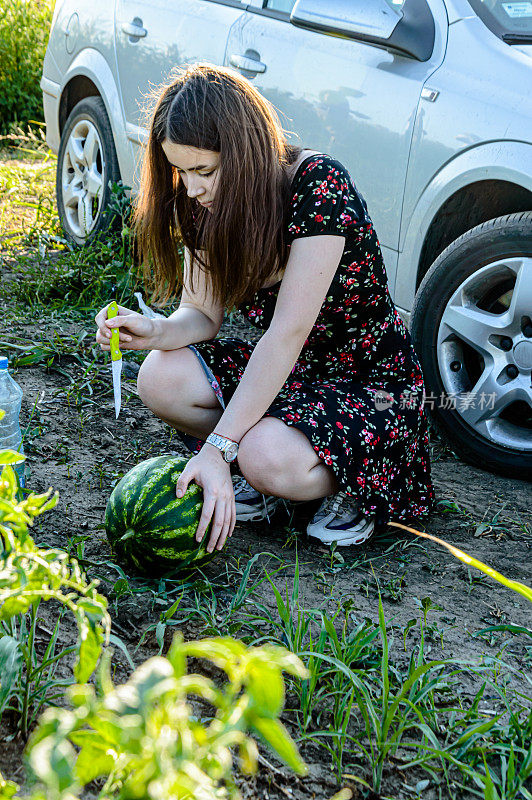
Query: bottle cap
[(3, 362)]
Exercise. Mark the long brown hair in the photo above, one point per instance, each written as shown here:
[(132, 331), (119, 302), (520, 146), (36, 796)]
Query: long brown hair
[(214, 108)]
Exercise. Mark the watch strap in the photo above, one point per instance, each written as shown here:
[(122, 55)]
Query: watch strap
[(222, 443), (217, 440)]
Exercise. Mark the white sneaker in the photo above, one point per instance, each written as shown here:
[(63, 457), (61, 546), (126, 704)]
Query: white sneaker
[(251, 505), (339, 520)]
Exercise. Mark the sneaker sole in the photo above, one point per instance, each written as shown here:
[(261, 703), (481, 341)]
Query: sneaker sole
[(357, 539), (252, 516), (255, 515)]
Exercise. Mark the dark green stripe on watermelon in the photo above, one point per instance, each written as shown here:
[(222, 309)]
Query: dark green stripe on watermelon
[(148, 527)]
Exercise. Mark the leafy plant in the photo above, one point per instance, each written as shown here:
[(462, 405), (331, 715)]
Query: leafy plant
[(144, 737), (29, 575), (80, 278), (24, 31)]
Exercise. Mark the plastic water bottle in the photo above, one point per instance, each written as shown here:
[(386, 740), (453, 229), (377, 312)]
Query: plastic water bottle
[(10, 402)]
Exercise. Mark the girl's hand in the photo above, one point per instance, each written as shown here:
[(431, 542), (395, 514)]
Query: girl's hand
[(136, 332), (209, 470)]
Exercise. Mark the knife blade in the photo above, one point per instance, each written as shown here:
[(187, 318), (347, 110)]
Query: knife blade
[(116, 359)]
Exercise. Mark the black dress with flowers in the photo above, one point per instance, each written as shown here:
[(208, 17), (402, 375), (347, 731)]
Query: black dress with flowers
[(356, 390)]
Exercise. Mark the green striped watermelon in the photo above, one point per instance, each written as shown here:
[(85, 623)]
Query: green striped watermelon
[(151, 529)]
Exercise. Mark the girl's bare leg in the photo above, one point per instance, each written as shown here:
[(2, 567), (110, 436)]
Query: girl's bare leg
[(173, 385), (278, 459)]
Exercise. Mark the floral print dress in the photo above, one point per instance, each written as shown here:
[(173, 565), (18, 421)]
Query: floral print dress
[(356, 389)]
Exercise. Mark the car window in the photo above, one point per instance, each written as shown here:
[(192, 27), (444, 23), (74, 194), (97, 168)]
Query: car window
[(287, 5), (281, 5), (510, 21)]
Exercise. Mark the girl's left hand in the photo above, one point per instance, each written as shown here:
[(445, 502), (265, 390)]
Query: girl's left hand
[(210, 471)]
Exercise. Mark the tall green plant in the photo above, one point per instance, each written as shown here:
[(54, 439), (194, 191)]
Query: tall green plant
[(24, 31), (144, 739), (28, 576)]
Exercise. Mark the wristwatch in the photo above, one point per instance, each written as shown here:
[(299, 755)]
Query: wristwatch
[(227, 447)]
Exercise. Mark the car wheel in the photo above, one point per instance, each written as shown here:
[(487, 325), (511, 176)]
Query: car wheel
[(472, 329), (86, 165)]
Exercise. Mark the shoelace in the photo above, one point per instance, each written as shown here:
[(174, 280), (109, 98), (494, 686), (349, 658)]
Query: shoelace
[(240, 483), (336, 504)]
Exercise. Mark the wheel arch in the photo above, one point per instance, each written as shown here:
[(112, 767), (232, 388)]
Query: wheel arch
[(78, 88), (470, 206), (89, 75), (485, 182)]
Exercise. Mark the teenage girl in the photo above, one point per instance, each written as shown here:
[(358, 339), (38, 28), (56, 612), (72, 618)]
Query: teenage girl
[(329, 402)]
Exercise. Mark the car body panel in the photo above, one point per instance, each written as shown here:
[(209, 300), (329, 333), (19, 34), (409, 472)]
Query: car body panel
[(470, 109), (51, 92), (79, 26), (457, 10), (329, 91), (91, 64), (180, 33), (56, 58), (499, 160), (87, 49)]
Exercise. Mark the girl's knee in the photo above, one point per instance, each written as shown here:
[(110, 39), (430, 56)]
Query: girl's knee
[(170, 381), (149, 377), (160, 376), (265, 461)]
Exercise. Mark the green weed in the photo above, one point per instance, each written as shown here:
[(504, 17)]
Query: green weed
[(27, 187), (24, 31), (30, 575), (144, 737)]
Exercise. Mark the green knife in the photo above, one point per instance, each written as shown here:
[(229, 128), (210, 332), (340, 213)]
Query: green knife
[(116, 358)]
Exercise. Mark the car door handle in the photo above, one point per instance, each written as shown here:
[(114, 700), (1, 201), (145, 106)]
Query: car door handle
[(249, 64), (134, 29)]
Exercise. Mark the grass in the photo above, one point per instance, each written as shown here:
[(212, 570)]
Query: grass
[(45, 274), (24, 32), (363, 707), (27, 186), (362, 704)]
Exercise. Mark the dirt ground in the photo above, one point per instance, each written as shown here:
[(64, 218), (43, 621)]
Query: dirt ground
[(82, 453)]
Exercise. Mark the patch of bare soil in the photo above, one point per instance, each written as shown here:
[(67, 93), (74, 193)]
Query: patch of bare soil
[(82, 452)]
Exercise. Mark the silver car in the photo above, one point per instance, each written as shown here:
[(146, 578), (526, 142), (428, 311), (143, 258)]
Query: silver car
[(428, 105)]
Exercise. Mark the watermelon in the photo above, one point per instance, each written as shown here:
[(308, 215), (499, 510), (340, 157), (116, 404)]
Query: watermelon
[(151, 529)]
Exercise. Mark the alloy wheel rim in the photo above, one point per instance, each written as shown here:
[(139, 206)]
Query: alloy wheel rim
[(484, 352), (82, 178)]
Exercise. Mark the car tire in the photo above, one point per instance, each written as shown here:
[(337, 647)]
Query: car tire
[(472, 329), (86, 166)]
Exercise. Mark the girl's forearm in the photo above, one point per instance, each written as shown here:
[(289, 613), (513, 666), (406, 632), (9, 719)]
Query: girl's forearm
[(268, 368), (185, 326)]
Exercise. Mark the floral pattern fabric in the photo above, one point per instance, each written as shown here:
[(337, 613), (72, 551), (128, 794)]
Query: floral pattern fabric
[(356, 389)]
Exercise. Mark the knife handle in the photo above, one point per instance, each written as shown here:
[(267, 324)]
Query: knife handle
[(112, 311)]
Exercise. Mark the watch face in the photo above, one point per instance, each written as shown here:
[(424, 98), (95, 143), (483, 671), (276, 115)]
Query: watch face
[(231, 452)]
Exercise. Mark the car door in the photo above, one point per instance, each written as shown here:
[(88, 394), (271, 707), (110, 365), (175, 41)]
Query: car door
[(153, 36), (348, 98)]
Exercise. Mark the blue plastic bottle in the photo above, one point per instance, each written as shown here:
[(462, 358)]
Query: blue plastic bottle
[(10, 402)]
